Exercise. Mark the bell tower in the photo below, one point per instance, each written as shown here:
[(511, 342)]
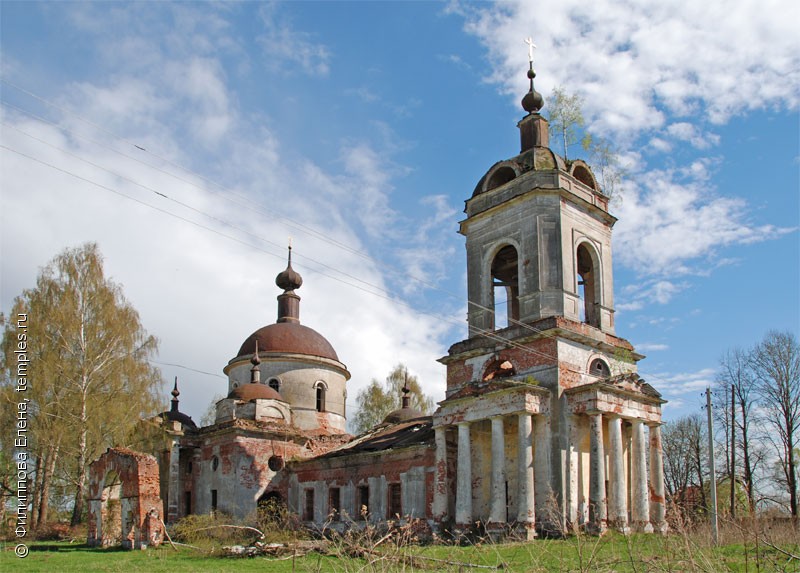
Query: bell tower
[(542, 385), (538, 237)]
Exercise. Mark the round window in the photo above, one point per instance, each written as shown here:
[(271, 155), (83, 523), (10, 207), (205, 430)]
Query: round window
[(275, 463)]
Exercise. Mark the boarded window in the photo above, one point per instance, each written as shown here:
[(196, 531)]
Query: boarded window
[(395, 501)]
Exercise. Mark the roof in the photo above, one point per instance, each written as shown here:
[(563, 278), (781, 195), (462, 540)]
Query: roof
[(290, 338), (418, 431), (255, 391), (175, 416)]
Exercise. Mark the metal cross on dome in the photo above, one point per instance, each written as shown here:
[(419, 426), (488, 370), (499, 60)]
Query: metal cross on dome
[(531, 47)]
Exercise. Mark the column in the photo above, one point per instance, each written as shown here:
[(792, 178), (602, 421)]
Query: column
[(657, 497), (640, 509), (173, 491), (618, 506), (597, 474), (545, 504), (497, 511), (573, 519), (525, 506), (440, 480), (464, 477)]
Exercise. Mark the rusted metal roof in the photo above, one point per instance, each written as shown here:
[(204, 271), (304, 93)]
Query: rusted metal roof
[(290, 338)]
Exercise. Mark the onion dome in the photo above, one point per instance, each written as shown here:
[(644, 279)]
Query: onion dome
[(175, 415), (289, 279), (405, 412), (287, 335)]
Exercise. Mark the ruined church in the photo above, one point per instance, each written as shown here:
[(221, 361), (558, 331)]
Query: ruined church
[(545, 425)]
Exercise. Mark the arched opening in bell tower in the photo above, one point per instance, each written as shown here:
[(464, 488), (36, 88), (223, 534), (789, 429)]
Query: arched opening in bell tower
[(505, 287), (588, 285)]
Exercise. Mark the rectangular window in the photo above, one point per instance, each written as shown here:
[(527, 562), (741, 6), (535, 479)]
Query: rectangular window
[(395, 501), (334, 507), (187, 503), (363, 501), (213, 500), (308, 508)]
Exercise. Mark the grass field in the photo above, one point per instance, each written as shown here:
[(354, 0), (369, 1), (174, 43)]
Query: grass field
[(740, 552)]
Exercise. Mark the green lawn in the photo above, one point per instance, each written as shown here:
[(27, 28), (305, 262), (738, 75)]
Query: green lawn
[(637, 553)]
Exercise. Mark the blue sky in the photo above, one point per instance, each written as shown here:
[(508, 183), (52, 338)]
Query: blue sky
[(358, 129)]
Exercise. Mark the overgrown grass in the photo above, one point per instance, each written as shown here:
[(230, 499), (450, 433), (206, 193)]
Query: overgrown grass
[(746, 547)]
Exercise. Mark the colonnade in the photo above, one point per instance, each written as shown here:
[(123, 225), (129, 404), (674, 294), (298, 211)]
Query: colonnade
[(647, 499), (533, 472), (609, 487)]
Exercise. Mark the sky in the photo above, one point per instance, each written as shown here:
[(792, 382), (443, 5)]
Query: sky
[(192, 140)]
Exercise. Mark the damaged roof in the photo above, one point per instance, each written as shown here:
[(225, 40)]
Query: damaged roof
[(418, 431)]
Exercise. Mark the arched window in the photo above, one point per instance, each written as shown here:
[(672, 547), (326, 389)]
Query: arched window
[(588, 285), (505, 278), (275, 384), (321, 389), (599, 368), (500, 177)]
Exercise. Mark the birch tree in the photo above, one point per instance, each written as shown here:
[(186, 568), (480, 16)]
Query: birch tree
[(375, 401), (91, 380)]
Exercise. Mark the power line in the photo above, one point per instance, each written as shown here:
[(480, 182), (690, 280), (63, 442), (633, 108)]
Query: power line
[(486, 333)]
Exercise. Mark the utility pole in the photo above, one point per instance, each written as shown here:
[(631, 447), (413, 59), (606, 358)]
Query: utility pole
[(713, 508), (733, 452)]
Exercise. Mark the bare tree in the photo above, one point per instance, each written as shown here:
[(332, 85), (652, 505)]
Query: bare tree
[(736, 372), (685, 475), (776, 367)]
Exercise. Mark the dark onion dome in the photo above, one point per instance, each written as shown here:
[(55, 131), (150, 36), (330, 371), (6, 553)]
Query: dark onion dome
[(402, 415), (289, 279), (174, 415), (249, 392), (289, 338), (532, 101)]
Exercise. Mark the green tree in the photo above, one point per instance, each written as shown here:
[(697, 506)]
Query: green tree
[(90, 376), (566, 117), (375, 401)]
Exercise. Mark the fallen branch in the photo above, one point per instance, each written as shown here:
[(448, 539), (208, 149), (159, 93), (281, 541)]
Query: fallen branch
[(167, 534)]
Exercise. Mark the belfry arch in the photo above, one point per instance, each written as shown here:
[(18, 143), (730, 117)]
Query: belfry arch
[(587, 269), (505, 285)]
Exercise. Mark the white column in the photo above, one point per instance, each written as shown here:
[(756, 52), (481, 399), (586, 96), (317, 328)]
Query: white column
[(597, 474), (525, 507), (543, 485), (464, 477), (440, 480), (657, 499), (173, 491), (618, 506), (497, 512), (640, 510), (573, 429)]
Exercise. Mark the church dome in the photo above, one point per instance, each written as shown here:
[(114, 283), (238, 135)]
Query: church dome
[(402, 415), (289, 338), (252, 391)]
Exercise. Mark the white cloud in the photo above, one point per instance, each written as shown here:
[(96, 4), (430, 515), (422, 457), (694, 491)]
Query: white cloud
[(288, 49), (203, 290), (651, 347)]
